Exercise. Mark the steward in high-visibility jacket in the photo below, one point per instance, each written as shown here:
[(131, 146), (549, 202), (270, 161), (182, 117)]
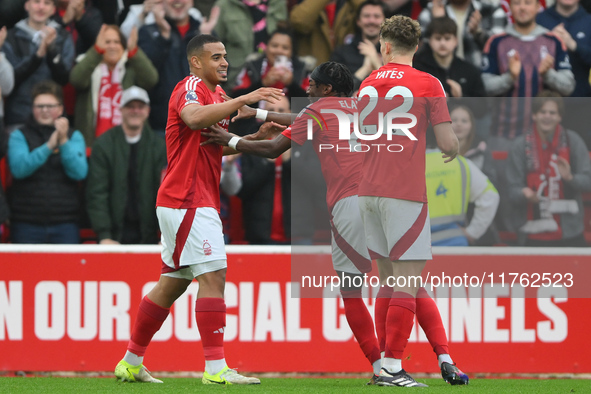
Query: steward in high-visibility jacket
[(450, 188)]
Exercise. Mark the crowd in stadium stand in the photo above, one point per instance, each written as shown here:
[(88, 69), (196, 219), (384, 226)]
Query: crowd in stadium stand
[(85, 85)]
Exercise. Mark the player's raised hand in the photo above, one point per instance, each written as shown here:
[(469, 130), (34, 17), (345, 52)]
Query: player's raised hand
[(268, 130), (271, 95), (216, 135)]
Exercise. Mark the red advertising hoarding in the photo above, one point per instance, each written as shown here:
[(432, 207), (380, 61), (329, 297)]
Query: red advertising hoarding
[(72, 309)]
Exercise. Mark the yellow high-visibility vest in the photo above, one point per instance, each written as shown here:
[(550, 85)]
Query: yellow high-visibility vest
[(448, 192)]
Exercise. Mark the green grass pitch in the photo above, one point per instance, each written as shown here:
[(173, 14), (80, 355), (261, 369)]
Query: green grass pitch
[(283, 385)]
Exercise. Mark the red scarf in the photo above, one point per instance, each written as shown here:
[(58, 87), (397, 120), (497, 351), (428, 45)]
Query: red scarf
[(542, 173), (277, 229), (108, 113)]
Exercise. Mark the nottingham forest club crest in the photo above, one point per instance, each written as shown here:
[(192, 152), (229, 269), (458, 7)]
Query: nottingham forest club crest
[(206, 248)]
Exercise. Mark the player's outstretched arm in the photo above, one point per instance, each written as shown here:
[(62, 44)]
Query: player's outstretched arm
[(446, 140), (198, 116), (246, 112), (250, 143)]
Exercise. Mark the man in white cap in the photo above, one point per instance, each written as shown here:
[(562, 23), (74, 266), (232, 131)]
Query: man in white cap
[(125, 169)]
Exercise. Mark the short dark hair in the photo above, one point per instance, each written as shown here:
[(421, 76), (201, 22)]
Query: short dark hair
[(442, 25), (48, 87), (196, 44), (543, 97), (377, 3), (339, 76), (402, 32)]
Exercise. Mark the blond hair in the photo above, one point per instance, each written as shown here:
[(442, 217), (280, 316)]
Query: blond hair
[(402, 32)]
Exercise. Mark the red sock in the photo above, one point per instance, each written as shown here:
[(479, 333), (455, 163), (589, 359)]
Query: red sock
[(210, 314), (148, 321), (430, 321), (361, 324), (399, 322), (380, 312)]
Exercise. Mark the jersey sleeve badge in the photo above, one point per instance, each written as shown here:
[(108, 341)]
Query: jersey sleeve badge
[(191, 97)]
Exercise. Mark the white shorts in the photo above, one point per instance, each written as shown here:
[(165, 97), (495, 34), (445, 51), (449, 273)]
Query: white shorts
[(349, 248), (192, 241), (397, 229)]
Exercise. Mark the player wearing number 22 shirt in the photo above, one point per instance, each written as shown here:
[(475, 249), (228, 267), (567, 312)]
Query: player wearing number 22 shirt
[(396, 105)]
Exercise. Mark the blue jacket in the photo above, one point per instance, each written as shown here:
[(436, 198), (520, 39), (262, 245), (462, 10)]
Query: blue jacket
[(20, 48), (579, 27)]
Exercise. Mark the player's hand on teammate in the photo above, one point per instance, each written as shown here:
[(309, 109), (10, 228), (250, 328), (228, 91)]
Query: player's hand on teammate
[(216, 135), (244, 112), (268, 130), (271, 95)]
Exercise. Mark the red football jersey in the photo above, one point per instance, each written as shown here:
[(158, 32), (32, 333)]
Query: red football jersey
[(395, 168), (192, 178), (340, 163)]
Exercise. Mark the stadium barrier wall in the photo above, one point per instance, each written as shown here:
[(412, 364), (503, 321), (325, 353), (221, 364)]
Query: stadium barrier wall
[(71, 308)]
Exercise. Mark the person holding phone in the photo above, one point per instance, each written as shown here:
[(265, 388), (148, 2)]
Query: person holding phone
[(276, 67)]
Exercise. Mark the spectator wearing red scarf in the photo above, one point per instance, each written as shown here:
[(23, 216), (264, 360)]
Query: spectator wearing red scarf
[(548, 171), (100, 77)]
